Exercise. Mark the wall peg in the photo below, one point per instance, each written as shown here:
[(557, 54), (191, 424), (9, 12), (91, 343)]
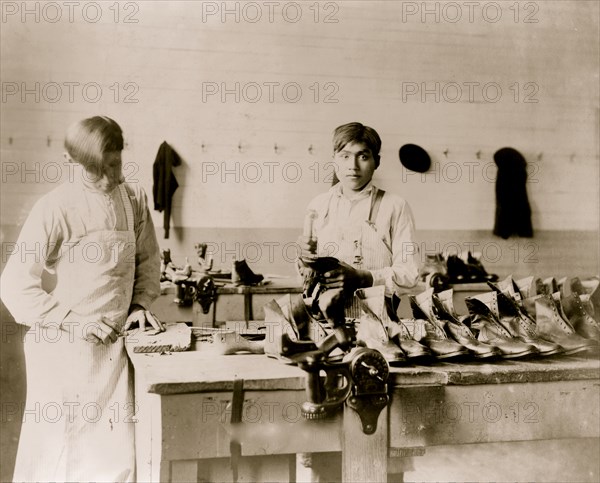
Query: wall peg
[(276, 148), (240, 147), (48, 141), (310, 149), (540, 156), (478, 154), (446, 151)]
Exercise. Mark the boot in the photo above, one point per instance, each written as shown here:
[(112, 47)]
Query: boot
[(400, 334), (574, 310), (281, 335), (478, 269), (371, 330), (552, 326), (458, 271), (551, 285), (592, 288), (517, 324), (243, 275), (461, 333), (441, 346), (490, 330), (434, 272), (527, 287), (305, 325), (589, 294), (508, 287)]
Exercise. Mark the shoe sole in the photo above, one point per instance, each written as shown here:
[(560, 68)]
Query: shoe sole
[(487, 355), (577, 350), (520, 354), (451, 355)]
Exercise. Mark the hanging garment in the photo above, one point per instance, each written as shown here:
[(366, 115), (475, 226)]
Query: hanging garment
[(79, 414), (165, 182), (513, 213)]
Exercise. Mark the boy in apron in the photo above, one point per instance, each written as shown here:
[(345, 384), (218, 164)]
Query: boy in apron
[(95, 233), (370, 231)]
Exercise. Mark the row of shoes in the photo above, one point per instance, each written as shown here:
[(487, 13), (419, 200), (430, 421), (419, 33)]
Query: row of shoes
[(517, 318), (440, 272)]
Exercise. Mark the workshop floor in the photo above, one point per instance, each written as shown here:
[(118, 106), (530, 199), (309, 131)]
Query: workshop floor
[(540, 461)]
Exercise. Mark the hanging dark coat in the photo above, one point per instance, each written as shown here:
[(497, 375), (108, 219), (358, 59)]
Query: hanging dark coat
[(165, 183), (513, 213)]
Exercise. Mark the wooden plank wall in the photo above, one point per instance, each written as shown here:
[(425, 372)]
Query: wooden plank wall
[(356, 61), (151, 65)]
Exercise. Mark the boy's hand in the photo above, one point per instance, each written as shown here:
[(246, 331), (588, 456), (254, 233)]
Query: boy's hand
[(347, 278), (308, 247)]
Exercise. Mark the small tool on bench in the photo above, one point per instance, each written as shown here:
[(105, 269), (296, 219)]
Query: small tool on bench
[(177, 337), (228, 341)]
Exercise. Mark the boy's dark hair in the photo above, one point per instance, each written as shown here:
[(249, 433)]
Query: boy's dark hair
[(89, 141), (357, 133)]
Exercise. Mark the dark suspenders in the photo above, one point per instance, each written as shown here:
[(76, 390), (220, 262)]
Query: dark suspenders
[(375, 204)]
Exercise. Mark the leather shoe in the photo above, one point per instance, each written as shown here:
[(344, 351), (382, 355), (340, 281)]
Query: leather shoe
[(490, 330), (583, 323), (459, 331), (371, 330), (519, 324), (243, 275), (441, 346), (589, 294), (552, 326)]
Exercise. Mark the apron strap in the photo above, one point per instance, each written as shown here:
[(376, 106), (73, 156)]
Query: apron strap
[(375, 204), (128, 207)]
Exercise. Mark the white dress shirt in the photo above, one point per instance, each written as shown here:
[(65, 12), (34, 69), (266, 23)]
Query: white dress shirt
[(342, 216)]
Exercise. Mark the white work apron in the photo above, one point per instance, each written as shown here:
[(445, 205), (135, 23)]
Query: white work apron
[(78, 421), (360, 246)]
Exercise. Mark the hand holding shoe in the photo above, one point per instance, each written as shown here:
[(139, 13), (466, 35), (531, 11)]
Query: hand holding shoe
[(347, 278)]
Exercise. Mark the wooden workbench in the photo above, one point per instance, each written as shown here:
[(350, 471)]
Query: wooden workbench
[(184, 399), (243, 302)]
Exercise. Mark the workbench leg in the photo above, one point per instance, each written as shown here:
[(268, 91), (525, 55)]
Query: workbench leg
[(248, 307), (364, 456), (319, 467)]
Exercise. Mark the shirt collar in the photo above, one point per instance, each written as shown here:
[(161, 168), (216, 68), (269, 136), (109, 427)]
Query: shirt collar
[(364, 193)]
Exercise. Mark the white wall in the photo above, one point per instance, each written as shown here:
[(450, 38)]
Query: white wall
[(364, 62)]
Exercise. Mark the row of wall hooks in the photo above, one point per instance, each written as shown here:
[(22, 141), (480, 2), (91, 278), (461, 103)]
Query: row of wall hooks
[(241, 148)]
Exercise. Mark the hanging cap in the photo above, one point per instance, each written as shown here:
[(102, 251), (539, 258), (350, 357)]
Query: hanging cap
[(415, 158)]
